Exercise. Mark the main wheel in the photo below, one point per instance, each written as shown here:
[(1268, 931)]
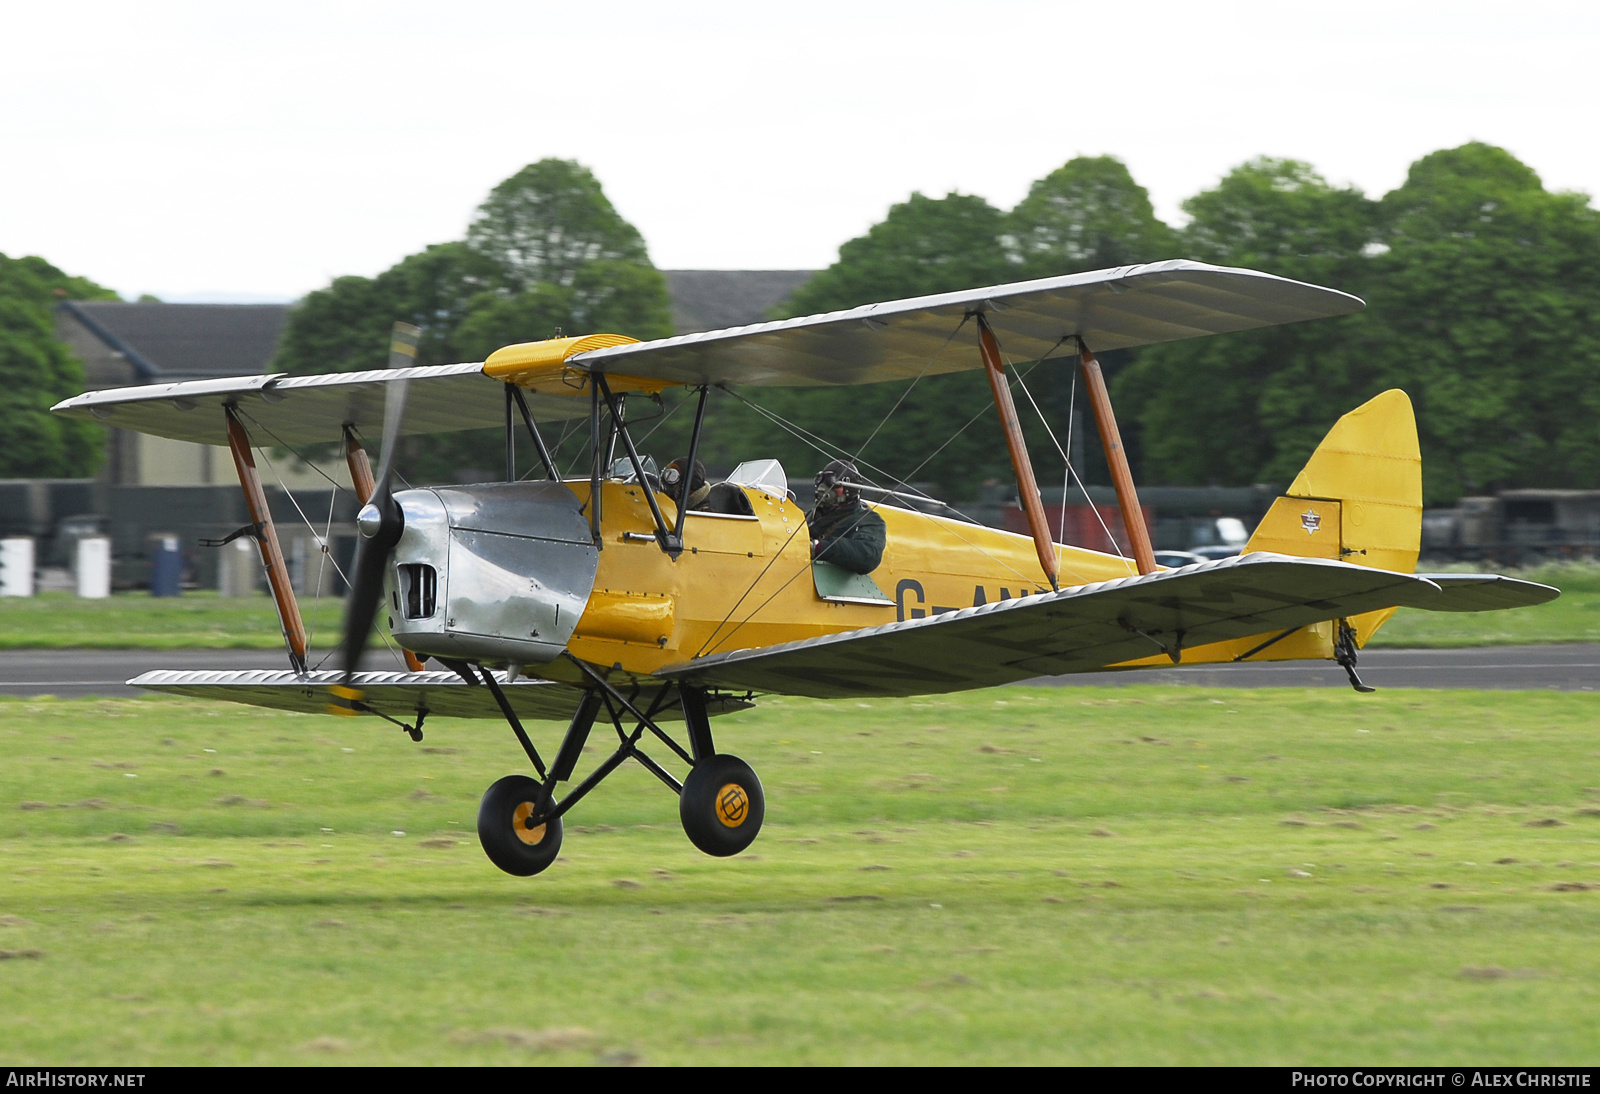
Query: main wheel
[(504, 829), (722, 805)]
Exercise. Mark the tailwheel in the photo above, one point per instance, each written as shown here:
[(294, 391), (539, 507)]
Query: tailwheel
[(721, 805), (510, 829)]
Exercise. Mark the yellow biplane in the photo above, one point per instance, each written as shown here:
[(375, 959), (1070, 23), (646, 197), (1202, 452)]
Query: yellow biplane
[(571, 598)]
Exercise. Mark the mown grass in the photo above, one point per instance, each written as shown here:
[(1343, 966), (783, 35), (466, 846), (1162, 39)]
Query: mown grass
[(135, 620), (1136, 875), (206, 621)]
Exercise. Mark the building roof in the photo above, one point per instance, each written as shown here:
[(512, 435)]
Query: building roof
[(170, 342), (166, 342), (715, 299)]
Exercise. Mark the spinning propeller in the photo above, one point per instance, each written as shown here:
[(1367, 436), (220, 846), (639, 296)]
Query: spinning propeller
[(379, 523)]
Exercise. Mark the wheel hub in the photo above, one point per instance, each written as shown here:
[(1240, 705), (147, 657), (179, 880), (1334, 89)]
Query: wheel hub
[(733, 805), (519, 825)]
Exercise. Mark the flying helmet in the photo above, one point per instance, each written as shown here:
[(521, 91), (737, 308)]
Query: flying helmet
[(834, 485), (672, 479)]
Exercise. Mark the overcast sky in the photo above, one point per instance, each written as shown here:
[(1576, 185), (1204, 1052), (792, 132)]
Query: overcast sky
[(236, 152)]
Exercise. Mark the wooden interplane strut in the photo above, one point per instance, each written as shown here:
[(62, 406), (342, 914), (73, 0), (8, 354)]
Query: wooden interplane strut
[(360, 465), (1117, 460), (1027, 487), (255, 499), (355, 458)]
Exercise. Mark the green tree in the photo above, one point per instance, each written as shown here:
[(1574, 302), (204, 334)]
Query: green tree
[(546, 252), (924, 246), (37, 371), (1250, 407), (345, 327), (548, 222), (1483, 312), (1087, 214)]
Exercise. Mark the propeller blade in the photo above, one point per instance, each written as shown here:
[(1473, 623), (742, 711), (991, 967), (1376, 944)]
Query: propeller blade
[(380, 524), (402, 354)]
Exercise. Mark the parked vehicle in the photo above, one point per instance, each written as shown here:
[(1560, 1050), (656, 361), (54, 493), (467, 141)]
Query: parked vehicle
[(1515, 528)]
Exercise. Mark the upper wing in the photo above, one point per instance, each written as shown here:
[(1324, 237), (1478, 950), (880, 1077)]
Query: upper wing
[(1074, 630), (311, 409), (1108, 309)]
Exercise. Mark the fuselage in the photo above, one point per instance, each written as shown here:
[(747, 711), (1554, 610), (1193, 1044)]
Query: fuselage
[(516, 577)]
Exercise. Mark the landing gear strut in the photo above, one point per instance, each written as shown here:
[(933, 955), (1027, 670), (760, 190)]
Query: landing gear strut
[(720, 803)]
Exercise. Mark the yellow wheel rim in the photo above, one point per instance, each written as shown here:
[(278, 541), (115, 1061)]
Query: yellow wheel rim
[(519, 825), (733, 805)]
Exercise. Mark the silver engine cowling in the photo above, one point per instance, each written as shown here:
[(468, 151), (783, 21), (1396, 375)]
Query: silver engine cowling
[(498, 573)]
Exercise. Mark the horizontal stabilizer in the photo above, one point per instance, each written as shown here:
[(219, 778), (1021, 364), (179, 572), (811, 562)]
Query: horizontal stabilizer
[(398, 694), (1075, 630), (1485, 593)]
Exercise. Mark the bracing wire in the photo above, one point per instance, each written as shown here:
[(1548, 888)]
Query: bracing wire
[(322, 567), (1066, 472), (1092, 507), (751, 588), (320, 540), (931, 361), (1016, 381), (818, 443), (823, 446), (301, 456)]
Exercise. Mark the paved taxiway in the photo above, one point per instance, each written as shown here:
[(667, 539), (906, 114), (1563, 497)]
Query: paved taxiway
[(74, 673)]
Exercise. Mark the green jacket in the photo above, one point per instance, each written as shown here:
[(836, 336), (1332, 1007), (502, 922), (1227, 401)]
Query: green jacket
[(852, 538)]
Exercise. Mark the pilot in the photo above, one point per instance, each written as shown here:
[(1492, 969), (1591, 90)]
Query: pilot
[(843, 530), (672, 483)]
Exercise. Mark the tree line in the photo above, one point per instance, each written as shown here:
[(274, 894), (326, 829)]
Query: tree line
[(1480, 286)]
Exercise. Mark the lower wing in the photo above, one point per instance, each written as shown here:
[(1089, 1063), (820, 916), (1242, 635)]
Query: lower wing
[(396, 694), (1093, 626)]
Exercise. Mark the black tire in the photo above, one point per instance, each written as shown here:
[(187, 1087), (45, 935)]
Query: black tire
[(502, 829), (722, 805)]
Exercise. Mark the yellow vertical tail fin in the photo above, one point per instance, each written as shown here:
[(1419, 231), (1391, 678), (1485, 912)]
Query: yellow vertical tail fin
[(1358, 499)]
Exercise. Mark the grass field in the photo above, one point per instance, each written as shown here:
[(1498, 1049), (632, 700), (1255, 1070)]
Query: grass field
[(1138, 875), (206, 621), (197, 620)]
